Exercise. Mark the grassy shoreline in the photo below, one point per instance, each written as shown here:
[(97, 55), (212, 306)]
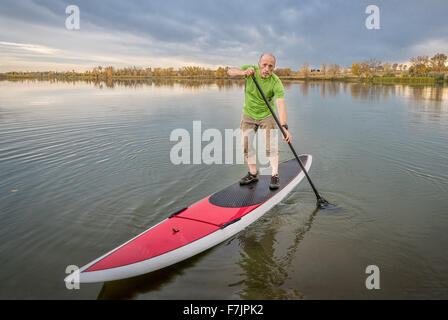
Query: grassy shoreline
[(340, 78)]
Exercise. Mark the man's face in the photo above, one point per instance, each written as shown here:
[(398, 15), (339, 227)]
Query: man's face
[(266, 65)]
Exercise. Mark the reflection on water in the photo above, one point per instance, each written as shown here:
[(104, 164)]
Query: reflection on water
[(140, 83), (367, 91), (363, 91), (436, 93), (265, 271)]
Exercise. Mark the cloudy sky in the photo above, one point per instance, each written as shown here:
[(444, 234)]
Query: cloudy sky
[(211, 33)]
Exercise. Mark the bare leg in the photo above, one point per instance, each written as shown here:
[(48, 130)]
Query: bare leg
[(274, 164), (272, 142), (251, 161), (250, 154)]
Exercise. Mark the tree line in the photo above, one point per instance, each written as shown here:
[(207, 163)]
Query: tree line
[(418, 66), (110, 72)]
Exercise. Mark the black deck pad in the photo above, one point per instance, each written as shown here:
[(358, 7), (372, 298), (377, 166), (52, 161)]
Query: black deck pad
[(236, 195)]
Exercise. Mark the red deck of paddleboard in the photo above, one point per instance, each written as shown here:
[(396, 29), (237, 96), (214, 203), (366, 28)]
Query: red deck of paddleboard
[(207, 212), (197, 221)]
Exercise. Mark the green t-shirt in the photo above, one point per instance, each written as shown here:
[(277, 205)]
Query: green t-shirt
[(254, 105)]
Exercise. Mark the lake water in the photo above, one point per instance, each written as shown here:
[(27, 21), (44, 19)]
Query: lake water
[(85, 167)]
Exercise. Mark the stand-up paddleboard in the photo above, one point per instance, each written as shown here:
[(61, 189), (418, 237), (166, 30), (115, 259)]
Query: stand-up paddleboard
[(197, 228)]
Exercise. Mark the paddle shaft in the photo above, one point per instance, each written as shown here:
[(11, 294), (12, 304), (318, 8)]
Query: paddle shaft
[(319, 198)]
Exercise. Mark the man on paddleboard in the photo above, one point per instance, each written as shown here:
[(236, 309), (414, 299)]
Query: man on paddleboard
[(257, 115)]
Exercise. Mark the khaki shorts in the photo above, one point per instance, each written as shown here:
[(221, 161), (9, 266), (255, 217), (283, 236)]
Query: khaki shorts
[(249, 126)]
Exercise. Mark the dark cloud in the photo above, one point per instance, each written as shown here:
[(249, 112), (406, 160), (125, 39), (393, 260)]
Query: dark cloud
[(233, 31)]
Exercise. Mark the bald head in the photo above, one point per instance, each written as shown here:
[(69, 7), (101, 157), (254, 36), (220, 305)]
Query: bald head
[(267, 55)]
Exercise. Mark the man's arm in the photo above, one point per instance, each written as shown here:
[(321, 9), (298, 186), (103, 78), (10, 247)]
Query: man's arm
[(240, 72), (282, 117)]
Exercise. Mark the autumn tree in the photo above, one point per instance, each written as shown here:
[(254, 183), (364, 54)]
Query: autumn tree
[(221, 72), (109, 71), (438, 62), (419, 65), (305, 69), (386, 67), (356, 68), (157, 72), (373, 64), (148, 72), (334, 69), (323, 69), (365, 68), (283, 72)]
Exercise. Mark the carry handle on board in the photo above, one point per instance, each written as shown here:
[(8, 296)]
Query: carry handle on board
[(321, 202)]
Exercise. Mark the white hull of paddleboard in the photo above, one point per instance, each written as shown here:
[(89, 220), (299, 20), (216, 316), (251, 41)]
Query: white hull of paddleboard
[(185, 251)]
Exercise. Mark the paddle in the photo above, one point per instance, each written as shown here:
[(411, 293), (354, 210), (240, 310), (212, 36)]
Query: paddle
[(321, 202)]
